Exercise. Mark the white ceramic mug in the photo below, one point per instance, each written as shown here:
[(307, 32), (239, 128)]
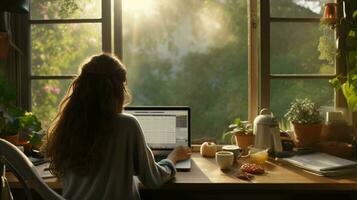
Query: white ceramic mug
[(236, 150), (224, 159)]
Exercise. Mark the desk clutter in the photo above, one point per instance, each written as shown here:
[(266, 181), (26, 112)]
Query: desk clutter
[(228, 157), (305, 141), (232, 162)]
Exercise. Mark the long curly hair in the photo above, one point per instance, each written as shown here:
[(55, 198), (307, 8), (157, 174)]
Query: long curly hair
[(84, 124)]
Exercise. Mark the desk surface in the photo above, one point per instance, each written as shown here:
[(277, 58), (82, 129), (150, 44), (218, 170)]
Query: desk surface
[(205, 174)]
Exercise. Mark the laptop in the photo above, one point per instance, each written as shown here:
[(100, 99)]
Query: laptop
[(165, 128)]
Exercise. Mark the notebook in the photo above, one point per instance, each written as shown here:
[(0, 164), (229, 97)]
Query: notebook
[(323, 164), (165, 128)]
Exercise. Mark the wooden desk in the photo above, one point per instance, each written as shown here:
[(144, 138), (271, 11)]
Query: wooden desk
[(206, 177), (205, 173)]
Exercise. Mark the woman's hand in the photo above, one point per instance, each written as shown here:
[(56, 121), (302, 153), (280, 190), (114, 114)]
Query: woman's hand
[(179, 153)]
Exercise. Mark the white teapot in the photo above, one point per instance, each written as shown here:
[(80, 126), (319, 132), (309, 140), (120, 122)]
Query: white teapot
[(266, 131)]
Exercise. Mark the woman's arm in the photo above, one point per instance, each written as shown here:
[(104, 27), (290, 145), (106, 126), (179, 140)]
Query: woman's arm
[(150, 174)]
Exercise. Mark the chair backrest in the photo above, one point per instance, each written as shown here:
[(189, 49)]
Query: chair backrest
[(23, 167)]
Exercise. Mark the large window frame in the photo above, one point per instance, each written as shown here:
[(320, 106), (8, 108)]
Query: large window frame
[(259, 75)]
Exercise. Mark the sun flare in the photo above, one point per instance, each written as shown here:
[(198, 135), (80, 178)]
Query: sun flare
[(146, 7)]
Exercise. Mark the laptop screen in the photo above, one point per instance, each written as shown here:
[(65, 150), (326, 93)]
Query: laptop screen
[(163, 127)]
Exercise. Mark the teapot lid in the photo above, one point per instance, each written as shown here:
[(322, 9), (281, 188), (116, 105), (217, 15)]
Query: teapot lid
[(265, 117)]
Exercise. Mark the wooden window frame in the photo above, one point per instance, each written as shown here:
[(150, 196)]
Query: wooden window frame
[(265, 67), (26, 76), (259, 75)]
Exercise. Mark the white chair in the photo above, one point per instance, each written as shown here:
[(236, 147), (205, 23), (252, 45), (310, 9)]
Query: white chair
[(25, 171)]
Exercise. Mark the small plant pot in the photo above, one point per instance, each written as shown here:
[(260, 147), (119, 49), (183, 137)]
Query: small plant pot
[(27, 148), (307, 135), (244, 141)]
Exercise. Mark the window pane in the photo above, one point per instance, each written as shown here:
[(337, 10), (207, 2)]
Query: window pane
[(69, 9), (302, 48), (46, 96), (195, 55), (297, 8), (283, 92), (60, 49)]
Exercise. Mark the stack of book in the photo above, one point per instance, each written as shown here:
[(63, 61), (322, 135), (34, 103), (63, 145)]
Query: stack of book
[(323, 164)]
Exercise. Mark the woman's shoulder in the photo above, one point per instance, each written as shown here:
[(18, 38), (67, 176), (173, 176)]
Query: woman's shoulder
[(127, 124), (127, 119)]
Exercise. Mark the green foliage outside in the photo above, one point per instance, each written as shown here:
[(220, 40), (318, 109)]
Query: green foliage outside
[(191, 52), (58, 50)]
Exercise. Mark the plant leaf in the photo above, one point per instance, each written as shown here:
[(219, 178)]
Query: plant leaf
[(348, 90), (335, 82)]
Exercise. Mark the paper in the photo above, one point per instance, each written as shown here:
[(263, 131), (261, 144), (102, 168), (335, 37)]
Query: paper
[(323, 164)]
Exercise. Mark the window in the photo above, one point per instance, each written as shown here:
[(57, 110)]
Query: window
[(185, 52), (300, 60), (58, 47), (189, 52), (178, 52)]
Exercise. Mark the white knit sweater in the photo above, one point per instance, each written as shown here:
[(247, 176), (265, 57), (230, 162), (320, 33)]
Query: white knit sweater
[(127, 156)]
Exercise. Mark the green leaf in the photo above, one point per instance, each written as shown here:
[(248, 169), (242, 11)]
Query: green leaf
[(335, 83), (237, 121), (354, 16), (35, 138), (224, 135), (350, 95), (351, 39), (30, 122)]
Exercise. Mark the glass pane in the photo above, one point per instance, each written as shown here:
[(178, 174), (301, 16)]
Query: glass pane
[(46, 97), (65, 9), (60, 49), (302, 48), (283, 92), (297, 8), (195, 55)]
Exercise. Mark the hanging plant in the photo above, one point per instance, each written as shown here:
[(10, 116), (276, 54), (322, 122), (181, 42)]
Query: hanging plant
[(348, 84)]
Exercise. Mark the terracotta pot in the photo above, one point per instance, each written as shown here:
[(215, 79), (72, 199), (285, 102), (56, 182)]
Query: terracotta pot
[(14, 139), (4, 45), (307, 135), (27, 148), (244, 140)]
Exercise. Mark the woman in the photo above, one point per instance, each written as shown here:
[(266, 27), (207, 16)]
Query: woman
[(95, 148)]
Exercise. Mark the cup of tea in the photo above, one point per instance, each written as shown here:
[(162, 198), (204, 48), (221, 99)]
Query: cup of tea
[(236, 150), (224, 159)]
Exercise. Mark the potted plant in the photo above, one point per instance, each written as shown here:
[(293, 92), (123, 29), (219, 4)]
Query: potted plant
[(305, 116), (10, 124), (19, 127), (31, 131), (241, 132), (13, 120)]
